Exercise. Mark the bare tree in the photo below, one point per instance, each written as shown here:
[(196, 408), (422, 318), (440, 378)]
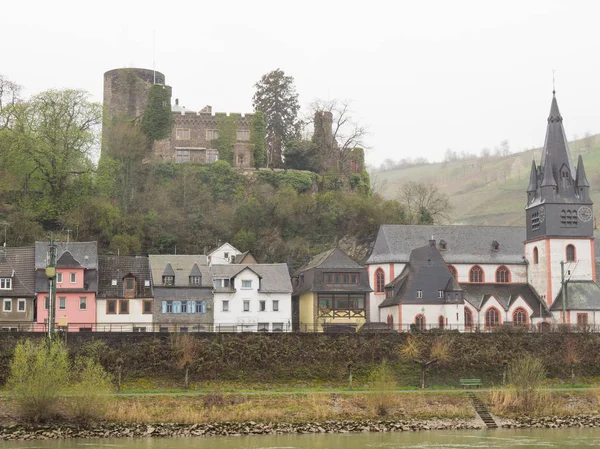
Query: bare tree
[(426, 353), (424, 200)]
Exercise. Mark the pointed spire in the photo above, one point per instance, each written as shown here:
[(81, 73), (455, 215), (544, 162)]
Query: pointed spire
[(556, 149), (549, 179), (532, 178), (581, 179)]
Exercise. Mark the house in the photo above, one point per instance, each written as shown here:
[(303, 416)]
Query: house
[(508, 275), (76, 284), (17, 288), (253, 297), (125, 301), (183, 297), (226, 253), (331, 292)]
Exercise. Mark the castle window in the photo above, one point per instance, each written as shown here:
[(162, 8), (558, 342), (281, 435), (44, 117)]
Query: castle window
[(182, 156), (468, 319), (570, 253), (453, 271), (502, 275), (241, 159), (212, 134), (492, 318), (476, 274), (182, 134), (520, 317), (379, 281), (536, 258), (212, 156), (243, 135), (420, 322)]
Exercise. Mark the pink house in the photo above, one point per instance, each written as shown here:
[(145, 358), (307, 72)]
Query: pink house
[(76, 284)]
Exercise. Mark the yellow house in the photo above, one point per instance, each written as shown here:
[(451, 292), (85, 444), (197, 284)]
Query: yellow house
[(330, 294)]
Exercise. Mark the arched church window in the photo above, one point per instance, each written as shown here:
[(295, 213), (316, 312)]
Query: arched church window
[(536, 258), (441, 322), (476, 274), (502, 275), (570, 253), (492, 317), (468, 319), (453, 272), (379, 281), (420, 322), (520, 317)]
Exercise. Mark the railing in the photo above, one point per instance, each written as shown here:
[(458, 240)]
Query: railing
[(342, 313), (327, 327)]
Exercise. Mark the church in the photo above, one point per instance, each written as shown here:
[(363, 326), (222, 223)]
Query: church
[(477, 278)]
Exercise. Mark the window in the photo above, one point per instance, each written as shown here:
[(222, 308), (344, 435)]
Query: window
[(468, 319), (200, 307), (246, 306), (167, 307), (246, 284), (124, 306), (83, 303), (5, 284), (354, 166), (212, 134), (441, 322), (420, 322), (46, 303), (182, 156), (129, 284), (240, 159), (226, 255), (182, 134), (146, 283), (536, 258), (243, 135), (379, 281), (443, 245), (7, 305), (225, 306), (502, 275), (114, 282), (73, 278), (568, 218), (218, 283), (492, 317), (495, 245), (263, 327), (440, 293), (186, 307), (520, 317), (476, 274), (21, 305), (419, 293), (59, 278), (275, 306), (453, 272), (570, 253), (277, 327), (342, 278), (168, 280), (582, 319), (62, 303), (262, 306), (212, 156), (389, 292), (111, 307), (195, 280), (147, 306)]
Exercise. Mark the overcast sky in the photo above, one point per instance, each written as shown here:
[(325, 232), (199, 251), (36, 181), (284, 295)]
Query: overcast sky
[(423, 76)]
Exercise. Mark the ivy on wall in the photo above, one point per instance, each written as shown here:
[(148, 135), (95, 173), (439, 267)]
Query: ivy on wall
[(258, 132), (227, 129), (156, 121)]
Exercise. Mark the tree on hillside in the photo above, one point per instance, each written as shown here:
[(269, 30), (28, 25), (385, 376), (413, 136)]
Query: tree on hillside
[(425, 353), (276, 97), (424, 203)]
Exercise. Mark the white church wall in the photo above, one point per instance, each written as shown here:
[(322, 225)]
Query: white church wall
[(580, 270), (453, 313), (390, 271)]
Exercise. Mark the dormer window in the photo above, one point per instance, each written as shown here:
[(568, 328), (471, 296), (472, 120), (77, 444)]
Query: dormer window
[(440, 293), (495, 245), (5, 283), (194, 280), (168, 280), (389, 292), (443, 245), (419, 293), (129, 287)]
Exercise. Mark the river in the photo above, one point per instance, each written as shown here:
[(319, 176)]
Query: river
[(496, 439)]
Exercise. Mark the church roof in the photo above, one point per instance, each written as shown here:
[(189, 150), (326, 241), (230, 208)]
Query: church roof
[(479, 294), (581, 295), (332, 259), (464, 244), (556, 149)]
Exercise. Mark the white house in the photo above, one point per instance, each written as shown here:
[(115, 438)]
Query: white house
[(224, 254), (251, 298)]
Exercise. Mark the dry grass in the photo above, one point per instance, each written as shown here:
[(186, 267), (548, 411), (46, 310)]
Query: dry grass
[(509, 403), (287, 408)]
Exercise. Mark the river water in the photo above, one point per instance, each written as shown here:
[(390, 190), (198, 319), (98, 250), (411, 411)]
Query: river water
[(458, 439)]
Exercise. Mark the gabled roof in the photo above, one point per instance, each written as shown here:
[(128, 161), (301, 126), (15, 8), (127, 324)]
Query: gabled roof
[(478, 294), (581, 295), (332, 259), (224, 247), (195, 270), (464, 244), (168, 271), (67, 261), (182, 266), (117, 268), (244, 258), (275, 278), (84, 253), (22, 262)]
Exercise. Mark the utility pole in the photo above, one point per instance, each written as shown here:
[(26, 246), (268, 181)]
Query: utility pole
[(51, 274), (564, 292)]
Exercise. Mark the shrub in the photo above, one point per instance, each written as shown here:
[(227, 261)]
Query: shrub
[(383, 382), (39, 373), (89, 395), (526, 375)]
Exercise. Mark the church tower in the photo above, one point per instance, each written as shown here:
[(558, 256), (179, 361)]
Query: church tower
[(559, 217)]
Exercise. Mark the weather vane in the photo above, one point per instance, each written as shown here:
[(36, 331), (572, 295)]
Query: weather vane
[(553, 86)]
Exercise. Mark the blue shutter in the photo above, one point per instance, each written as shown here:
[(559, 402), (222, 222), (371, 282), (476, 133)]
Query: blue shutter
[(203, 303), (176, 306), (191, 306), (164, 307)]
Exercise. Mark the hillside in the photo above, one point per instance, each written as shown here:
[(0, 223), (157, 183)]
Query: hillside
[(489, 191)]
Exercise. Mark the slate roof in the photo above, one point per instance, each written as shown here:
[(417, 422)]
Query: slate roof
[(275, 277), (506, 294), (332, 259), (181, 266), (581, 295), (84, 253), (116, 268), (22, 261), (426, 271), (464, 244)]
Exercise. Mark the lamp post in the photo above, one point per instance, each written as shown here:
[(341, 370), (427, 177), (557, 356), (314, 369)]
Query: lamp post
[(51, 275), (564, 292)]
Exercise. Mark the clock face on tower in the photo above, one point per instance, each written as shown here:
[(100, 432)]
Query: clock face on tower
[(542, 214), (584, 213)]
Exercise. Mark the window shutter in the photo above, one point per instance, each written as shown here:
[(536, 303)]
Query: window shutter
[(176, 306), (191, 306), (164, 307), (203, 306)]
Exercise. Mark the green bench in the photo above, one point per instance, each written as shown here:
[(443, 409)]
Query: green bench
[(470, 383)]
